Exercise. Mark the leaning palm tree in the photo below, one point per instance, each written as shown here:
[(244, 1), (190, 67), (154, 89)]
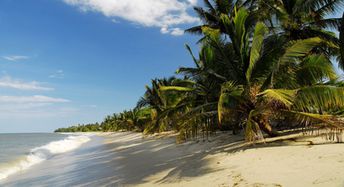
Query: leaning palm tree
[(162, 105), (153, 100), (198, 109)]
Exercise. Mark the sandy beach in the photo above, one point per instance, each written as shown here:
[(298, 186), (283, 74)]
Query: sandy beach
[(226, 161), (128, 159)]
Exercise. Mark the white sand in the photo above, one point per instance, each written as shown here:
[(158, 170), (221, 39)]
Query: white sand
[(151, 162)]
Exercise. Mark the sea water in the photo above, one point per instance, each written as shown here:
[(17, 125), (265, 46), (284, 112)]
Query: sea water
[(19, 152)]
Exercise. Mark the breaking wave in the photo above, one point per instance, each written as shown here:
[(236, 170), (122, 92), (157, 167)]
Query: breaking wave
[(39, 154)]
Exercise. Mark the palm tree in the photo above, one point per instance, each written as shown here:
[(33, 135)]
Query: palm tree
[(273, 82), (162, 105), (295, 19), (267, 92), (211, 14), (303, 19)]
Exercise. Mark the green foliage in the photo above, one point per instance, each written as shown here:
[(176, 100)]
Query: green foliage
[(285, 97), (81, 128), (256, 48)]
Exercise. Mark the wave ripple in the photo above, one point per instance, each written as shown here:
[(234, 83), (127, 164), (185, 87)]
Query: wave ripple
[(40, 154)]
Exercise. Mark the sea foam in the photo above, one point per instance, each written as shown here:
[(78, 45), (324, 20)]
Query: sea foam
[(39, 154)]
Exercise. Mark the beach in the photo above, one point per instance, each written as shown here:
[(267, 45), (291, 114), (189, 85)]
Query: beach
[(180, 93), (129, 159)]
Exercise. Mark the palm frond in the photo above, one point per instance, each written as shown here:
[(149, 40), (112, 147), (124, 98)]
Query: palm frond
[(229, 98), (314, 69), (329, 38), (224, 6), (256, 47), (195, 30), (331, 23), (239, 25), (283, 96), (316, 120), (192, 55), (299, 48), (198, 110), (209, 6), (141, 103), (319, 99), (176, 88), (329, 6)]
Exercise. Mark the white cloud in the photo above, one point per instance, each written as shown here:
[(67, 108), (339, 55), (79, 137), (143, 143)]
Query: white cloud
[(15, 58), (34, 111), (177, 32), (193, 2), (172, 31), (8, 82), (36, 99), (166, 14), (164, 30), (59, 74), (36, 106)]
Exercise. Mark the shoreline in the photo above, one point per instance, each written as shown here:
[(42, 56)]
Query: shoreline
[(129, 159)]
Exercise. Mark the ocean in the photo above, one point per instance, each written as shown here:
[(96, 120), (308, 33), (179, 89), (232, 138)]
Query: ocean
[(19, 152)]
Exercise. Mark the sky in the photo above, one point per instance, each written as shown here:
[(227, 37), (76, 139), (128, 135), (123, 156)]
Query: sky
[(64, 62)]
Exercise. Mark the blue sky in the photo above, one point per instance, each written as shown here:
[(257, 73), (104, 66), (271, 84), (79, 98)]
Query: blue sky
[(64, 62)]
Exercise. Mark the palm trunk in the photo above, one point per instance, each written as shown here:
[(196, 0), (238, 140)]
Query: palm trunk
[(265, 126)]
